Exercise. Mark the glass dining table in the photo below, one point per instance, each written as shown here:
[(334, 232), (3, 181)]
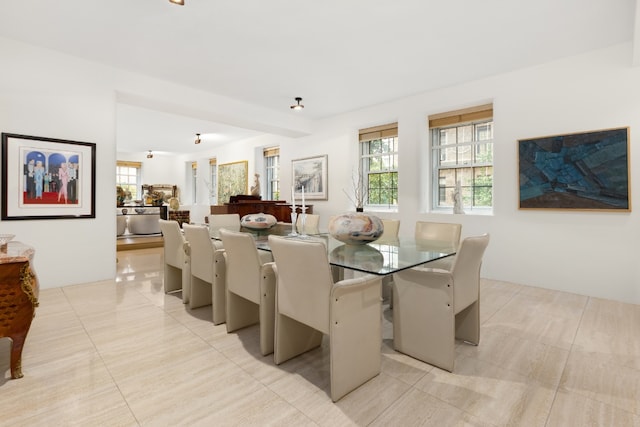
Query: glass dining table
[(381, 257)]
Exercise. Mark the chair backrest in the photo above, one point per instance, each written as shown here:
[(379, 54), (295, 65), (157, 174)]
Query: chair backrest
[(304, 280), (201, 250), (391, 229), (311, 224), (173, 243), (228, 221), (243, 264), (438, 234), (466, 270)]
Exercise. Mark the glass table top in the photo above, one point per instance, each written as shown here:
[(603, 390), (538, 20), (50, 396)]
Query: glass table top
[(381, 257)]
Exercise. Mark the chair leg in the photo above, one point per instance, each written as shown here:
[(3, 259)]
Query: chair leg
[(468, 324), (355, 340), (186, 281), (172, 279), (218, 296), (240, 312), (200, 293), (424, 323), (267, 310), (293, 338)]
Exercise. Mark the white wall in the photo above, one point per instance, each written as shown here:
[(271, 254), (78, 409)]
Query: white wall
[(48, 94), (591, 253)]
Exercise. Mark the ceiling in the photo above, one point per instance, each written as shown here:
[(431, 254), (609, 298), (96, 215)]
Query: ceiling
[(338, 55)]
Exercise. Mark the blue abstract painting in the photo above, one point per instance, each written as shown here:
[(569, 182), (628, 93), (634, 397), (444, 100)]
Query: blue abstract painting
[(583, 171)]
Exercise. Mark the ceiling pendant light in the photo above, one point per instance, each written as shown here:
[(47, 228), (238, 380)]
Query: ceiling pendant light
[(297, 106), (149, 155), (198, 140), (178, 2)]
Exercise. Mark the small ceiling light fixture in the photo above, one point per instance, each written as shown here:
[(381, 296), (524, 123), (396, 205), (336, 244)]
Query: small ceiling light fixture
[(198, 140), (149, 155), (297, 106), (178, 2)]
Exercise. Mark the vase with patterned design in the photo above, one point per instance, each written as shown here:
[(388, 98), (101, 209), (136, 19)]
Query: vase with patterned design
[(356, 228)]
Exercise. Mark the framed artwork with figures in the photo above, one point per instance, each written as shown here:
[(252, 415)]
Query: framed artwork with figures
[(47, 178)]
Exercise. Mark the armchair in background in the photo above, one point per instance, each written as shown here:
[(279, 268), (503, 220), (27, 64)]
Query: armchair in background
[(311, 224), (177, 271), (439, 235), (228, 221), (205, 289)]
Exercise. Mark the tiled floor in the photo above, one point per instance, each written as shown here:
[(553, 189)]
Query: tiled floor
[(123, 354)]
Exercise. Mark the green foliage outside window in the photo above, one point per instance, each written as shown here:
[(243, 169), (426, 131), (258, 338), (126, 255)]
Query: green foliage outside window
[(380, 169)]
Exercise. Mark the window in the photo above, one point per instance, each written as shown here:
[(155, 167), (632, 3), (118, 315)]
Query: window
[(271, 173), (194, 182), (379, 165), (128, 177), (462, 153), (213, 181)]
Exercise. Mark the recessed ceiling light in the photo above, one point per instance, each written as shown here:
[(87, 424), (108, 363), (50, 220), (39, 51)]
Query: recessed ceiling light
[(178, 2), (297, 106)]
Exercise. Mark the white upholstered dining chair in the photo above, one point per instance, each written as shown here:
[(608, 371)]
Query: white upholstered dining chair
[(250, 286), (177, 274), (438, 235), (433, 307), (311, 224), (205, 289), (228, 221), (309, 304)]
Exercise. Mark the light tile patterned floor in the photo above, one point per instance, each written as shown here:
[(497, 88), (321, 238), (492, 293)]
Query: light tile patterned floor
[(122, 353)]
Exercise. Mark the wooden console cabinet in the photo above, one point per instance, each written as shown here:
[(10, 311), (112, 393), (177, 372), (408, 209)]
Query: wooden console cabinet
[(280, 209), (18, 298)]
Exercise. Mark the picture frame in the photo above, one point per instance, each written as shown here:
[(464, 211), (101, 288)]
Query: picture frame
[(233, 179), (587, 171), (47, 178), (310, 173), (168, 190)]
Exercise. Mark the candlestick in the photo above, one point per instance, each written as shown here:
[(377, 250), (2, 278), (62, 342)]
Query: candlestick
[(303, 209), (294, 218), (293, 200)]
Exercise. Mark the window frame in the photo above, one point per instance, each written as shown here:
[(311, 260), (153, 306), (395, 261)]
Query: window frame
[(387, 135), (475, 118), (137, 195), (213, 181), (194, 182), (272, 173)]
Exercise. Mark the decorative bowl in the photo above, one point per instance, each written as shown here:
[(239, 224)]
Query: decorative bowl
[(6, 238), (140, 210), (356, 228), (259, 221)]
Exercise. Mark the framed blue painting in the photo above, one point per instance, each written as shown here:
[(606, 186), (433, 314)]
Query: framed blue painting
[(580, 171)]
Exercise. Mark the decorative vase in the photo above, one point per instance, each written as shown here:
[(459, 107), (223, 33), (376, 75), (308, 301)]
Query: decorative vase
[(259, 221), (356, 228)]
